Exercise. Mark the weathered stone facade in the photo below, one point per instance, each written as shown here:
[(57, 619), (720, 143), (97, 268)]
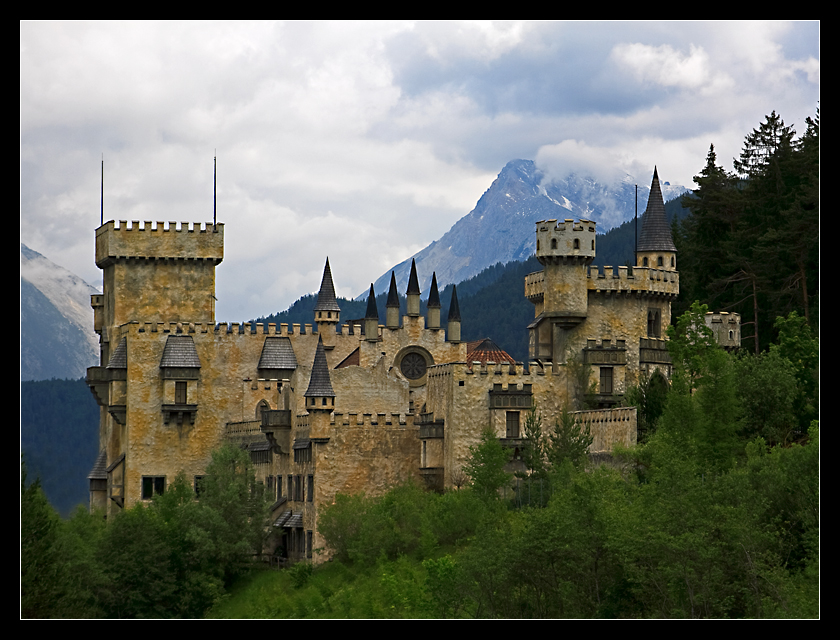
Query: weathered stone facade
[(328, 407)]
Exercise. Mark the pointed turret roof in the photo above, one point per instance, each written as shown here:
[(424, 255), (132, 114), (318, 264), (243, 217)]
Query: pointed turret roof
[(454, 310), (413, 285), (319, 381), (326, 296), (434, 296), (393, 296), (656, 233), (372, 312)]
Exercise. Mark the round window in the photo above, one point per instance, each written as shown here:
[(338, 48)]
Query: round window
[(413, 366)]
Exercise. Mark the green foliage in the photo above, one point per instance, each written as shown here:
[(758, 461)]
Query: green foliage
[(751, 244), (766, 387), (486, 467), (649, 399), (569, 441), (800, 347)]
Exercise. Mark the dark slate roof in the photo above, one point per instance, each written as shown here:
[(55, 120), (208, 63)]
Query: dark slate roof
[(434, 296), (98, 471), (656, 233), (179, 352), (326, 296), (454, 310), (277, 353), (413, 285), (372, 312), (487, 351), (119, 359), (319, 381), (393, 296)]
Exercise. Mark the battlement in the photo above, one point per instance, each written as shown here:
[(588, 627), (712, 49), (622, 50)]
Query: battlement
[(726, 327), (639, 280), (647, 280), (609, 427), (566, 241), (158, 241)]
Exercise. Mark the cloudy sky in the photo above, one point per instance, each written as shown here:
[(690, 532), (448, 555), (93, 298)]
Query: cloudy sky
[(365, 142)]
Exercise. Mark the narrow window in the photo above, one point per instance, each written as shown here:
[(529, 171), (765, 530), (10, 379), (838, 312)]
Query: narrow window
[(606, 380), (198, 485), (644, 262), (512, 423), (180, 393), (554, 243), (577, 243), (308, 544), (310, 488), (659, 261)]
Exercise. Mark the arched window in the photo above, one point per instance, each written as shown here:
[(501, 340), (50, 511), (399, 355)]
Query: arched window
[(672, 262), (644, 262), (577, 243), (554, 243), (659, 261)]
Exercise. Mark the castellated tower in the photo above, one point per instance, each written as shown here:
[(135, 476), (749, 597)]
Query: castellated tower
[(155, 273), (565, 250)]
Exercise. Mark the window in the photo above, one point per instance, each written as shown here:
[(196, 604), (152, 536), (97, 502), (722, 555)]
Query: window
[(659, 261), (198, 485), (289, 493), (310, 488), (413, 366), (577, 243), (654, 324), (553, 243), (606, 380), (180, 392), (308, 544), (512, 421), (153, 485)]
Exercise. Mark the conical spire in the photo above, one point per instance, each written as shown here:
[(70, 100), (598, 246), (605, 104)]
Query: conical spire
[(434, 296), (372, 312), (393, 296), (413, 285), (656, 233), (319, 381), (454, 311), (326, 296)]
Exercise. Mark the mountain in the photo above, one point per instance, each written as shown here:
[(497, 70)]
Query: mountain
[(501, 227), (56, 321)]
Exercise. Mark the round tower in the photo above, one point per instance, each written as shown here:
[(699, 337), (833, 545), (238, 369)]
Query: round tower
[(327, 311), (565, 250), (656, 248)]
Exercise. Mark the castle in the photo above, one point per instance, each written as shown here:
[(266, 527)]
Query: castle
[(328, 407)]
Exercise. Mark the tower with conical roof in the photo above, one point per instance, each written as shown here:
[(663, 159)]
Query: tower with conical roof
[(371, 318), (412, 294), (656, 245), (392, 306), (433, 305), (320, 397), (327, 311), (454, 319)]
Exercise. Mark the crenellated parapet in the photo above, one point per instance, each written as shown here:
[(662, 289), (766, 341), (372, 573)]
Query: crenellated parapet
[(157, 241), (381, 419), (566, 242), (636, 280)]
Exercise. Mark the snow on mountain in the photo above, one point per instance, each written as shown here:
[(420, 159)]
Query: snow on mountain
[(501, 227), (57, 337)]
